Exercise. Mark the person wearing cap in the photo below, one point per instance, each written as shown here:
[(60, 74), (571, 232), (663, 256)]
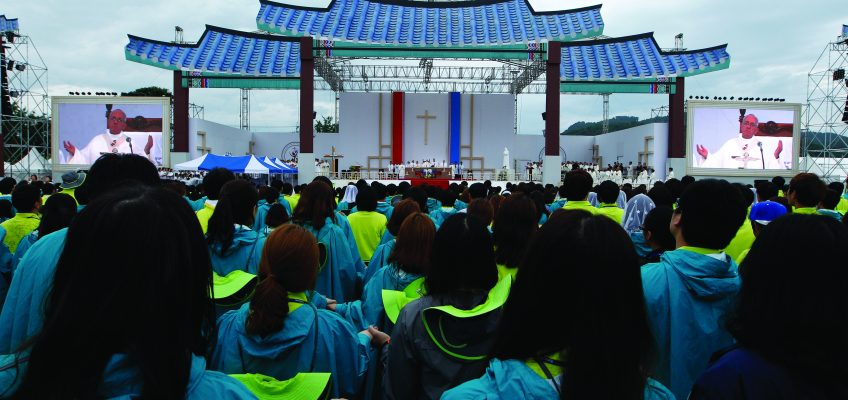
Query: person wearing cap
[(70, 182), (761, 215), (22, 315), (689, 292)]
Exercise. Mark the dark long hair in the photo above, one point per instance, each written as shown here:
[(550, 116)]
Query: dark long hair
[(797, 319), (414, 245), (316, 204), (515, 224), (289, 264), (146, 296), (402, 210), (595, 281), (237, 205), (463, 257), (58, 212)]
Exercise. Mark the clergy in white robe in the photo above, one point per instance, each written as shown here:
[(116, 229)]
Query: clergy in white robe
[(113, 140)]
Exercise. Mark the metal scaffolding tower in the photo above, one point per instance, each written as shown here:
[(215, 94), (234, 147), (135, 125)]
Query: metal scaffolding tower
[(244, 111), (605, 128), (825, 133), (26, 109)]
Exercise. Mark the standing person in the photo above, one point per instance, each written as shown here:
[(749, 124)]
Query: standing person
[(233, 245), (279, 333), (691, 289), (790, 328), (150, 338), (367, 224), (462, 306), (600, 349)]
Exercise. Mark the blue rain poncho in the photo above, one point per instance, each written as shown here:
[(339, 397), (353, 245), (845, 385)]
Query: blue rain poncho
[(369, 310), (311, 340), (688, 296), (243, 254), (338, 273), (514, 380)]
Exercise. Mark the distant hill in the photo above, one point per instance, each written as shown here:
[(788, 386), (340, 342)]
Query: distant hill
[(616, 123)]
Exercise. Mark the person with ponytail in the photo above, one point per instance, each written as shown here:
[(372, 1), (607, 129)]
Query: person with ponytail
[(515, 224), (339, 273), (601, 348), (233, 244), (279, 333), (123, 323)]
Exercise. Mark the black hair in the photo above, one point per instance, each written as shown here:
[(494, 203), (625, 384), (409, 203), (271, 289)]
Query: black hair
[(779, 181), (7, 184), (837, 187), (686, 181), (746, 193), (316, 204), (6, 210), (166, 288), (830, 200), (807, 188), (366, 200), (271, 195), (463, 257), (577, 184), (515, 223), (477, 190), (417, 194), (277, 184), (766, 190), (797, 321), (657, 222), (603, 331), (57, 213), (379, 190), (711, 211), (287, 188), (215, 180), (608, 192), (236, 206), (661, 196), (25, 198), (448, 198), (675, 187), (112, 169), (276, 216), (326, 180)]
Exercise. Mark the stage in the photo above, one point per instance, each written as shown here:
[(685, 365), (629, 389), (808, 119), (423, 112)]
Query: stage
[(441, 183)]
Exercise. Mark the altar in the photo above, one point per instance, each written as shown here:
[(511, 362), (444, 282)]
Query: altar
[(429, 173)]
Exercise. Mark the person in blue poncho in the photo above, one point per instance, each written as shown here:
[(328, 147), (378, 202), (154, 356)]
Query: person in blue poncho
[(233, 245), (137, 328), (380, 258), (635, 213), (514, 226), (441, 340), (279, 333), (279, 185), (598, 345), (408, 261), (338, 275), (691, 290), (790, 326), (267, 197), (22, 315), (349, 200)]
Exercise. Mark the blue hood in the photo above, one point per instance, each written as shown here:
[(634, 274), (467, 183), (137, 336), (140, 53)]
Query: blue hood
[(241, 238), (704, 277), (296, 329)]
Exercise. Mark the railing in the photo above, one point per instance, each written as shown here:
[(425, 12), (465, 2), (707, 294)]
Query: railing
[(468, 175)]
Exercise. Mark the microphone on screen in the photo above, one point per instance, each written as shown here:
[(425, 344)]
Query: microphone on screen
[(762, 156), (129, 142)]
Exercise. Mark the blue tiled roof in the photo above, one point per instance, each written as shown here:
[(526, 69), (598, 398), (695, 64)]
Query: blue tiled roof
[(8, 24), (418, 23), (635, 57), (224, 51), (844, 30)]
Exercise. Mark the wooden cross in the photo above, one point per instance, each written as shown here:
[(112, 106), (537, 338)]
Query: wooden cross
[(203, 149), (426, 117)]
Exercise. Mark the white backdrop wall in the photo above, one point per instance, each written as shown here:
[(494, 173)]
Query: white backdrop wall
[(624, 146), (221, 138)]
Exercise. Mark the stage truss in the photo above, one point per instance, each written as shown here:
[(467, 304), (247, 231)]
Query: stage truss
[(825, 135), (27, 125)]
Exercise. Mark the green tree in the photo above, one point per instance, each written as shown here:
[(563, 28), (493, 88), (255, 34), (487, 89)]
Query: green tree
[(326, 125), (150, 91)]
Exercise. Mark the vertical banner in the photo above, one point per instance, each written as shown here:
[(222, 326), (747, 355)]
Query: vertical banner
[(455, 131), (397, 127)]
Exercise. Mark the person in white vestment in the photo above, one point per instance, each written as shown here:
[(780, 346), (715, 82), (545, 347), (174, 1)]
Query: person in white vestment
[(111, 141), (745, 151)]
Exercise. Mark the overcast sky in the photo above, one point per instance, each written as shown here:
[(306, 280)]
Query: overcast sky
[(773, 45)]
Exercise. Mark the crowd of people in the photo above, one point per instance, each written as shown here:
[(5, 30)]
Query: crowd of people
[(591, 290)]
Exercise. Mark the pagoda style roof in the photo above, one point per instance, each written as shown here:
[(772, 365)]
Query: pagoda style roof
[(8, 24), (635, 57), (433, 24), (221, 50)]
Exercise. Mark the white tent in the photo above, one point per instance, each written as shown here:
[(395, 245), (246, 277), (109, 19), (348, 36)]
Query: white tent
[(33, 162), (190, 165)]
